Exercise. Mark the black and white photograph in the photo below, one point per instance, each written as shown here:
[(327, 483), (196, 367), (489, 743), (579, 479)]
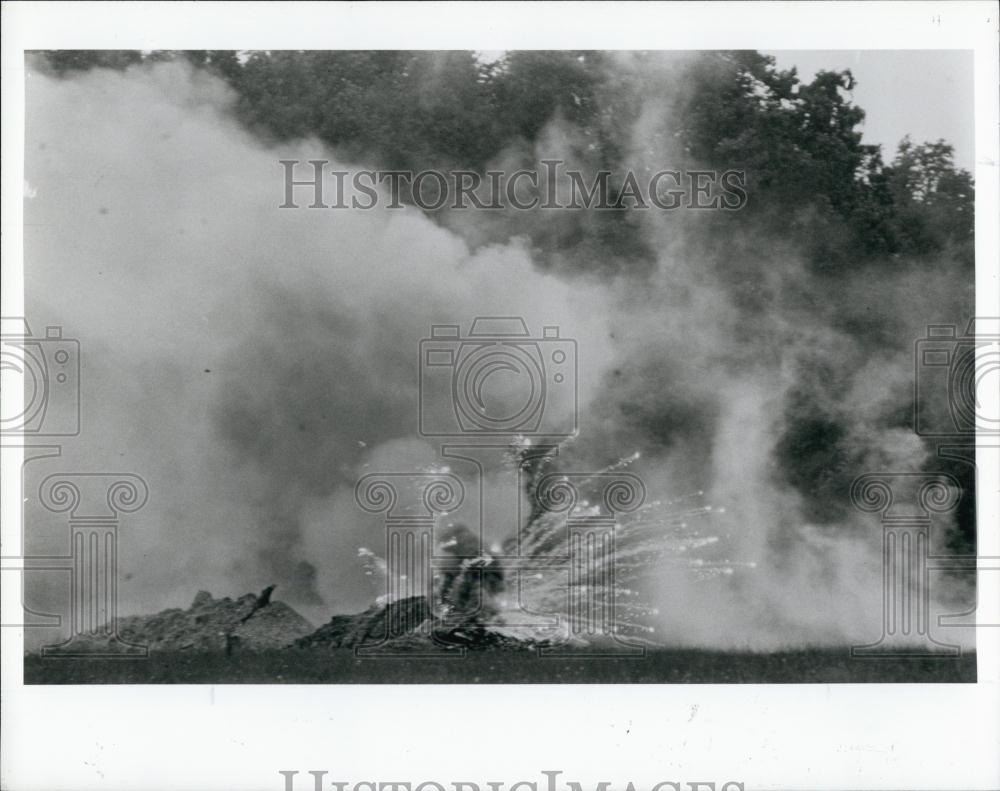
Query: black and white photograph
[(369, 369)]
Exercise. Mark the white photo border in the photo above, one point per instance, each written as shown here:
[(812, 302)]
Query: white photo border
[(765, 736)]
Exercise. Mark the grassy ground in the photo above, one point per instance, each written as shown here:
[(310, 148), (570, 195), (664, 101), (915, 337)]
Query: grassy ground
[(343, 667)]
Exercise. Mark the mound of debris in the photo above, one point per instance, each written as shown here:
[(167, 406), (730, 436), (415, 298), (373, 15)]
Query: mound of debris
[(405, 624), (369, 627), (249, 623)]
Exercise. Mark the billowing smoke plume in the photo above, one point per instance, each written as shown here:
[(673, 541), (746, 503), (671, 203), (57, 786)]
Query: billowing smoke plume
[(250, 363)]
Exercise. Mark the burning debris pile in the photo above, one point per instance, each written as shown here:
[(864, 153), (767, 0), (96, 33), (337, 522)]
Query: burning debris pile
[(370, 626), (405, 624), (253, 623), (574, 579)]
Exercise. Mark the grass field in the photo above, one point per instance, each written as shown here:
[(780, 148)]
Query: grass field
[(657, 667)]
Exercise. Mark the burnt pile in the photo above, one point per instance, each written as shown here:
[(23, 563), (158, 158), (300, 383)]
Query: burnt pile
[(252, 623), (249, 623), (402, 624), (403, 617)]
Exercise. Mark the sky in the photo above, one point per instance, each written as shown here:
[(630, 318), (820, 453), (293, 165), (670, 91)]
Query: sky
[(927, 94)]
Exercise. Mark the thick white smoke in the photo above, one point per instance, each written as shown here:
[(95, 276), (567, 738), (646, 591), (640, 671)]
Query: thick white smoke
[(246, 360)]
